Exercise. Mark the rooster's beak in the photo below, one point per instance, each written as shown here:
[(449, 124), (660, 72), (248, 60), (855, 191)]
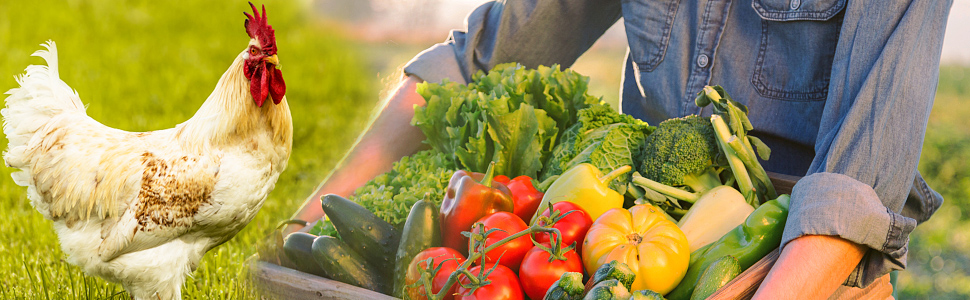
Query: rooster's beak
[(272, 59)]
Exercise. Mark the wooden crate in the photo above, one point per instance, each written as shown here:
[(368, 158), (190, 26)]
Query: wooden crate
[(285, 283)]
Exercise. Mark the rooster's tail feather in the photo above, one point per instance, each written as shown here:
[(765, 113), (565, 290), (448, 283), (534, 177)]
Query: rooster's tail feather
[(41, 96)]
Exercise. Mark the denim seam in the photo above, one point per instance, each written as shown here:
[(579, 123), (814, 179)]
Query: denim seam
[(924, 193), (658, 55), (797, 15), (698, 47), (891, 232), (761, 58), (715, 30), (862, 267)]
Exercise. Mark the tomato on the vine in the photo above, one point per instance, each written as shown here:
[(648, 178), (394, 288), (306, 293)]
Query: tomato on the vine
[(448, 258), (504, 285), (573, 226), (509, 254), (538, 273)]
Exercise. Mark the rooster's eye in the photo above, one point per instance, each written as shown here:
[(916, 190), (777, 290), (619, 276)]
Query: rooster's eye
[(253, 51)]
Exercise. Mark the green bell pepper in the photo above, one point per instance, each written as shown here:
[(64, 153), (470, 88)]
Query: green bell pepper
[(749, 242)]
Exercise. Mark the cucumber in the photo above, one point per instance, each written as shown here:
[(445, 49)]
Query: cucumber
[(684, 289), (421, 231), (341, 263), (718, 274), (365, 233), (297, 247)]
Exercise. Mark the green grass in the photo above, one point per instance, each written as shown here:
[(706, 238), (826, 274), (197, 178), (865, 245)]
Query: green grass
[(148, 65), (939, 256)]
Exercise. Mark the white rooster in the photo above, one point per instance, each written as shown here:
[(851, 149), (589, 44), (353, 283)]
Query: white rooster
[(142, 208)]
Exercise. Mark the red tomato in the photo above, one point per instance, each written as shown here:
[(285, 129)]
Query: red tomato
[(573, 227), (502, 179), (509, 254), (504, 285), (440, 254), (537, 273), (525, 196)]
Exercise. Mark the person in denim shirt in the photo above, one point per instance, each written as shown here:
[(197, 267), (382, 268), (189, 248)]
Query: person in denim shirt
[(840, 90)]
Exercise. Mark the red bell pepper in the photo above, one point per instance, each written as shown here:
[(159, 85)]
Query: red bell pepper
[(468, 199), (524, 194)]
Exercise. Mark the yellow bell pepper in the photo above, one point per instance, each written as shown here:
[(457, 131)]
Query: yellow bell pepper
[(644, 239), (585, 186)]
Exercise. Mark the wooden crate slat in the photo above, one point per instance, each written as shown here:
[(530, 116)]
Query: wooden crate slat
[(783, 183), (285, 283)]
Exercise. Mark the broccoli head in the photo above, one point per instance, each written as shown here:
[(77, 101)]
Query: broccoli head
[(682, 152)]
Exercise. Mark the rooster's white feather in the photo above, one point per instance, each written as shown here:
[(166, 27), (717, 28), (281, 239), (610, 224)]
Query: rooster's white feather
[(142, 208)]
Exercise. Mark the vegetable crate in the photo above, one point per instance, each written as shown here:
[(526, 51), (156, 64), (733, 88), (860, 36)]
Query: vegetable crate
[(284, 283)]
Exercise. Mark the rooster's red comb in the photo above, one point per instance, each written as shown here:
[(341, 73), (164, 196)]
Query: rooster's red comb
[(258, 29)]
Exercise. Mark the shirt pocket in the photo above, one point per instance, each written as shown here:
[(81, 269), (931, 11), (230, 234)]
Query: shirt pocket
[(798, 40), (648, 24)]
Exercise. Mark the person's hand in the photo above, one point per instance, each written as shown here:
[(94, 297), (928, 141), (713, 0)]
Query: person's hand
[(811, 267)]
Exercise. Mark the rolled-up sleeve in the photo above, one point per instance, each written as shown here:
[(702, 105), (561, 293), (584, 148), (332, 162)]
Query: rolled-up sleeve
[(530, 32), (882, 86)]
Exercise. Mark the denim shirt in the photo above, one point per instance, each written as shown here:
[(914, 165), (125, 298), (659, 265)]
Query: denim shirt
[(840, 90)]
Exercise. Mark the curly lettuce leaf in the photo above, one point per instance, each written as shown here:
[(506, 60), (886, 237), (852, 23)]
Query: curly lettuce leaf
[(391, 195), (502, 116)]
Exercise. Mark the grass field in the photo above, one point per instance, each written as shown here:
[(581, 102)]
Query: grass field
[(939, 256), (147, 65)]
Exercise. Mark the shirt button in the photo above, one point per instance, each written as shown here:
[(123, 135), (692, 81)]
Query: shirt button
[(795, 3), (702, 60)]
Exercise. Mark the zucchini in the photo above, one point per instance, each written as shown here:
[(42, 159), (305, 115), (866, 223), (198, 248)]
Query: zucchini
[(718, 274), (421, 231), (297, 247), (341, 263), (608, 290), (365, 233)]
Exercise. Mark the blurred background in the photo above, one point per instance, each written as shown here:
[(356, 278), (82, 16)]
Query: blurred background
[(148, 65)]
